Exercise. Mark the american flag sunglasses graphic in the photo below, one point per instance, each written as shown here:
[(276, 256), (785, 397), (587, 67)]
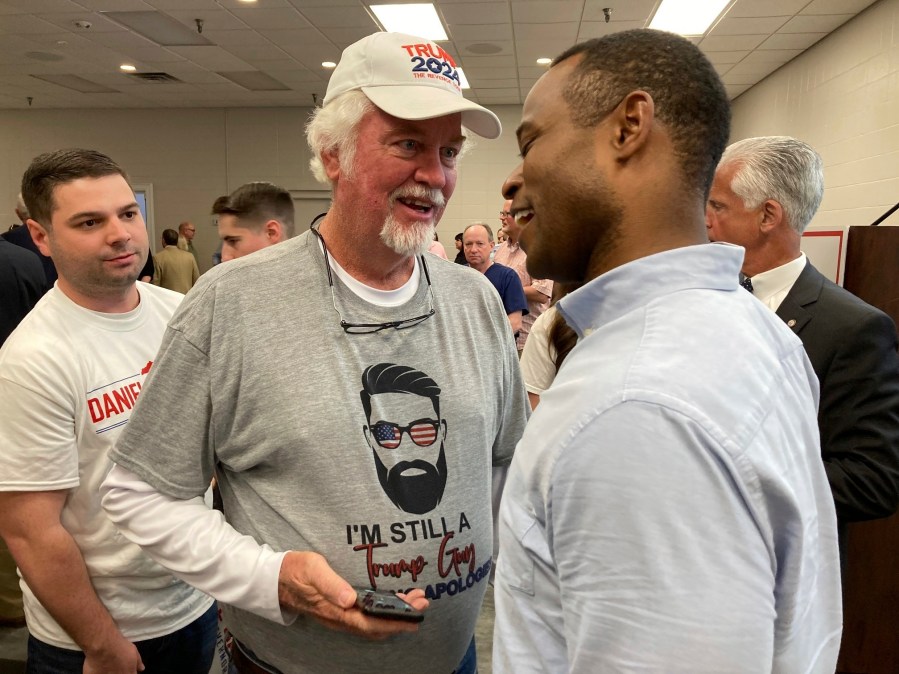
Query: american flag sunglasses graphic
[(423, 433)]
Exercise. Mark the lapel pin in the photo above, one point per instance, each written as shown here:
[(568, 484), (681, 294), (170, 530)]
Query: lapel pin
[(792, 322)]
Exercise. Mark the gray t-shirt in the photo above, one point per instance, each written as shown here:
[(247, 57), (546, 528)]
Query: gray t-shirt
[(308, 427)]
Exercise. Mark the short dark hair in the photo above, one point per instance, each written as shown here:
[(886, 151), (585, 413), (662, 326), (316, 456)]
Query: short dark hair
[(459, 236), (219, 203), (689, 98), (170, 237), (257, 203), (391, 378), (51, 169)]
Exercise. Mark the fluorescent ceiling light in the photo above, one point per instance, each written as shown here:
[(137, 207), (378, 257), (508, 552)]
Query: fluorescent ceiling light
[(328, 64), (127, 67), (463, 81), (544, 61), (687, 17), (421, 20)]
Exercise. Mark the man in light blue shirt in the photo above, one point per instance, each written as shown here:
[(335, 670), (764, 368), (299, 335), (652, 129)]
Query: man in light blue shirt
[(666, 509)]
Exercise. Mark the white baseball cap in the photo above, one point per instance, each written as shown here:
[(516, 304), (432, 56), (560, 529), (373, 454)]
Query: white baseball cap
[(410, 78)]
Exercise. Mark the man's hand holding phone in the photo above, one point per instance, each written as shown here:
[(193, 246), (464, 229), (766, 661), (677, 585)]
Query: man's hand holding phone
[(307, 584)]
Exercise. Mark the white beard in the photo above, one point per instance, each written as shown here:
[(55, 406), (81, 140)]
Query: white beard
[(414, 239)]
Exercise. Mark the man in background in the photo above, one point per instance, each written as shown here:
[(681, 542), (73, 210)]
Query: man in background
[(765, 193), (478, 242), (19, 235), (537, 291), (22, 284), (667, 510), (253, 217), (186, 233), (174, 269), (70, 375)]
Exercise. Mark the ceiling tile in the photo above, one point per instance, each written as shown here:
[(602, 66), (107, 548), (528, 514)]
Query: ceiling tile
[(484, 74), (756, 8), (824, 23), (344, 37), (748, 26), (792, 40), (339, 17), (772, 56), (731, 42), (258, 52), (546, 11), (757, 70), (99, 23), (481, 33), (726, 57), (38, 6), (25, 24), (837, 6), (534, 33), (213, 58), (476, 13), (285, 18), (115, 5)]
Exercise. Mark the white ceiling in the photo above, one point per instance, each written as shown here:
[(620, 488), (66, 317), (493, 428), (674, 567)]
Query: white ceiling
[(495, 41)]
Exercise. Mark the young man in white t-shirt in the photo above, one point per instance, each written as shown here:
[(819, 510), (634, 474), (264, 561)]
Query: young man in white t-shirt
[(70, 375)]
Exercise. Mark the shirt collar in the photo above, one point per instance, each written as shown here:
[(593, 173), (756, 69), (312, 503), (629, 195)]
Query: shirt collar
[(769, 283), (611, 295)]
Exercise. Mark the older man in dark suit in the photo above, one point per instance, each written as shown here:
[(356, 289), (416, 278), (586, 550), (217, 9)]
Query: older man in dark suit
[(765, 192)]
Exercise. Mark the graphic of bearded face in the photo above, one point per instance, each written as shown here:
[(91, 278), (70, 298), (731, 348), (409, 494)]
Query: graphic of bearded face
[(406, 435)]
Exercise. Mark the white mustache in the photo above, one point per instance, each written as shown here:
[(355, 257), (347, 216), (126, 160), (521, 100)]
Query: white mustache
[(434, 196)]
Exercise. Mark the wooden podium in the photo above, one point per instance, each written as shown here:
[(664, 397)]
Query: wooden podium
[(871, 581)]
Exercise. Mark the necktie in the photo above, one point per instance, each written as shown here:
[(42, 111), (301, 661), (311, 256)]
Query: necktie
[(746, 283)]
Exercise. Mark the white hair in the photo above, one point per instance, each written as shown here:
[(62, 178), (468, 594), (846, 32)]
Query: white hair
[(780, 168), (335, 127)]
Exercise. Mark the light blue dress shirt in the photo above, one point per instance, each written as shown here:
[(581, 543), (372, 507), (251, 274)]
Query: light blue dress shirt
[(667, 509)]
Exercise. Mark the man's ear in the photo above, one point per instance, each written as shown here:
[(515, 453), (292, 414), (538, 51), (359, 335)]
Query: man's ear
[(632, 121), (273, 231), (39, 235), (772, 216), (331, 162)]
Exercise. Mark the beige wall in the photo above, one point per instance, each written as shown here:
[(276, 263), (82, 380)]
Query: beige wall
[(193, 156), (842, 97)]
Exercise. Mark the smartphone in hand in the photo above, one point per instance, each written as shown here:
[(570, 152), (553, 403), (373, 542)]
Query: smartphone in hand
[(386, 605)]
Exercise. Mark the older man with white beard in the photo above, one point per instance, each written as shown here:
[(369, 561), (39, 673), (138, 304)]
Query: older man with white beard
[(259, 379)]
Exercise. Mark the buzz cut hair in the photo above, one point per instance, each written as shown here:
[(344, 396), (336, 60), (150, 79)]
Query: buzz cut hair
[(689, 98), (256, 203)]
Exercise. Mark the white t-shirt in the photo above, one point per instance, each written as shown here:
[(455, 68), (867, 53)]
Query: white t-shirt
[(69, 379), (538, 360)]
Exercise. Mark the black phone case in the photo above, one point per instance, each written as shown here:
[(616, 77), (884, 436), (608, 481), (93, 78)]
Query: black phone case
[(386, 605)]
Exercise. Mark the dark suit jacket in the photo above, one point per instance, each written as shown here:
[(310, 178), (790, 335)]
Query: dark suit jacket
[(852, 347), (22, 237)]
